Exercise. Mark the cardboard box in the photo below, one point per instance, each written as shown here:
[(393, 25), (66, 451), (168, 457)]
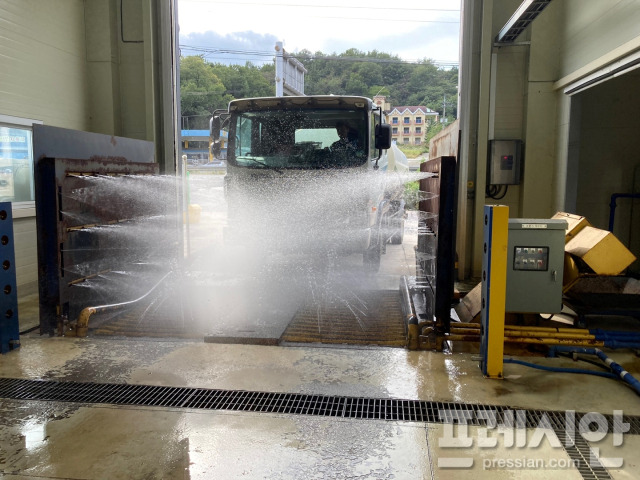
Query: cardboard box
[(471, 305), (600, 250), (575, 223)]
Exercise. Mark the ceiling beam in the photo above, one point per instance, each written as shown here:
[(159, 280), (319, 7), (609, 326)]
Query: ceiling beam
[(523, 16)]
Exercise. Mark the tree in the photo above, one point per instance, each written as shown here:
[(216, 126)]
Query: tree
[(201, 92), (207, 86), (355, 85)]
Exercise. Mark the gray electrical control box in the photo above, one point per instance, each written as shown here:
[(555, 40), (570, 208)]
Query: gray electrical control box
[(535, 264), (505, 157)]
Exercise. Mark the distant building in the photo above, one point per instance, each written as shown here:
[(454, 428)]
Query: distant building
[(381, 101), (409, 123)]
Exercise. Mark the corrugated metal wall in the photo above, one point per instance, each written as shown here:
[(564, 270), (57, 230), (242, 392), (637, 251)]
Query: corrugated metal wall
[(43, 77)]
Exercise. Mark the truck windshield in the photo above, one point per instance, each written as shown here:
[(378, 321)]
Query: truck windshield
[(298, 139)]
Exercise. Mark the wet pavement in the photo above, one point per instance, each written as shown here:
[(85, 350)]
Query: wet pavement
[(76, 440), (93, 440)]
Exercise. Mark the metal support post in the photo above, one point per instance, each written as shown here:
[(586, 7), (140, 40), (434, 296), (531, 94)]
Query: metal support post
[(494, 288), (9, 326)]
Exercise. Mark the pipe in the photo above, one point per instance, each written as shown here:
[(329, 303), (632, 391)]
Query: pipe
[(82, 324), (578, 342), (524, 333), (533, 334), (607, 334), (597, 333), (612, 205), (532, 328), (538, 341), (413, 340), (556, 341)]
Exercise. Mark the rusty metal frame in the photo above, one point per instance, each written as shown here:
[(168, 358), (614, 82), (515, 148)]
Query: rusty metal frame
[(54, 177)]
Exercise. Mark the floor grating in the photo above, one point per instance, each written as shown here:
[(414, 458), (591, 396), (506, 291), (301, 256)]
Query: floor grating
[(371, 318), (317, 405)]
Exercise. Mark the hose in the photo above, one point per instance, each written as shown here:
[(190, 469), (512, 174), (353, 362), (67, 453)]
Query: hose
[(595, 363), (618, 370), (82, 324), (561, 369)]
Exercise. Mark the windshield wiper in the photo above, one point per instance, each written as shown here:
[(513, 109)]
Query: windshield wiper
[(265, 165)]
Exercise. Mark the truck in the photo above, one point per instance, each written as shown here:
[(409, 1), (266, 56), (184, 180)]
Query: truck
[(311, 173)]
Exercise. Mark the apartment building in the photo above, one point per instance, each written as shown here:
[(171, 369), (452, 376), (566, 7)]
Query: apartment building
[(409, 123)]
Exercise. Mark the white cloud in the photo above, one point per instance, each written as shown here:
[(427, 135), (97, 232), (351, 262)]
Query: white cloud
[(418, 29)]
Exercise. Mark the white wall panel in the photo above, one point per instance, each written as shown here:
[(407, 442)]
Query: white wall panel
[(592, 28), (609, 153), (42, 77), (43, 61)]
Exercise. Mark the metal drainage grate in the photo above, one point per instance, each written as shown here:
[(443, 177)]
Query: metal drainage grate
[(317, 405), (296, 403)]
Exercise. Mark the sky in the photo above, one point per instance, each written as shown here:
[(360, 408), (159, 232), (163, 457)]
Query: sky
[(248, 30)]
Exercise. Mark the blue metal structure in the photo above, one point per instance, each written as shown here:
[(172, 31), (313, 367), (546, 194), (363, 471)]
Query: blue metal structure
[(195, 144), (9, 326)]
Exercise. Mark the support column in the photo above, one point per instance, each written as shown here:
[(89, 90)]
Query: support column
[(494, 289)]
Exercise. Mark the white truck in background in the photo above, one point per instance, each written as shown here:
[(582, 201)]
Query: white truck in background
[(311, 173)]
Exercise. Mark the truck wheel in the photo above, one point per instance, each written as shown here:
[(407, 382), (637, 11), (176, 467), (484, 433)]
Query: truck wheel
[(398, 235)]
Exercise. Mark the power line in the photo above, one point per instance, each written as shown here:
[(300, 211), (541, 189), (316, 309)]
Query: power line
[(212, 52), (386, 19), (412, 20)]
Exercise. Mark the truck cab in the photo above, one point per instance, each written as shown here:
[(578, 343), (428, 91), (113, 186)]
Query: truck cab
[(308, 173)]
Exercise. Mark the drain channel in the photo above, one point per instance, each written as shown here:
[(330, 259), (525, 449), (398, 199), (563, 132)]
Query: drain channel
[(317, 405), (288, 403)]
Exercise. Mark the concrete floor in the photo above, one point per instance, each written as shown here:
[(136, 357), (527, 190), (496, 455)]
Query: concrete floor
[(76, 440)]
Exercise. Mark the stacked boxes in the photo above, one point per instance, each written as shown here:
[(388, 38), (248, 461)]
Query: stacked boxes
[(597, 249), (575, 223)]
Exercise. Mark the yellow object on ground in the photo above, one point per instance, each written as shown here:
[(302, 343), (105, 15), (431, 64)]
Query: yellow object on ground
[(194, 213)]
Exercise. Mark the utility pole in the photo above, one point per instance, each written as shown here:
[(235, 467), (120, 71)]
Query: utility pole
[(444, 108), (279, 69)]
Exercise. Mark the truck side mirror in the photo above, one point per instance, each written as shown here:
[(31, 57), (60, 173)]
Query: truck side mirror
[(214, 132), (383, 136)]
